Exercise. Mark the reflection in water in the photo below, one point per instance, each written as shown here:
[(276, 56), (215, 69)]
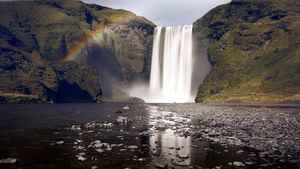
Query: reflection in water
[(77, 136), (169, 139), (170, 146), (172, 143)]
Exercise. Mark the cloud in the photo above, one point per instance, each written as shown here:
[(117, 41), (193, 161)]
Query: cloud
[(164, 12)]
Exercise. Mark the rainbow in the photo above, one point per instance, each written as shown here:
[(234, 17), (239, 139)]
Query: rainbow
[(77, 47)]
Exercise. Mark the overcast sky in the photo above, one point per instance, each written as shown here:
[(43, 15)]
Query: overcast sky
[(164, 12)]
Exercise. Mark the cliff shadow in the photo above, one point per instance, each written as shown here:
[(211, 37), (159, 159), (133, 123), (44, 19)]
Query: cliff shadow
[(109, 69), (72, 93), (201, 65)]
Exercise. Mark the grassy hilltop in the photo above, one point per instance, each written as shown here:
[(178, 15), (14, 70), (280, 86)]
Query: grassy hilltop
[(254, 50)]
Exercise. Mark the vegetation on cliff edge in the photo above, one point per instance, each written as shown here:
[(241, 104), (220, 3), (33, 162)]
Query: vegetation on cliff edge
[(254, 50)]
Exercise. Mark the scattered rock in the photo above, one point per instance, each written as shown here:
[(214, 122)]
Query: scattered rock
[(161, 125), (133, 147), (249, 163), (183, 156), (78, 147), (96, 144), (75, 127), (271, 131), (8, 161), (126, 107), (141, 159), (238, 164), (60, 142), (80, 158), (161, 166), (122, 119)]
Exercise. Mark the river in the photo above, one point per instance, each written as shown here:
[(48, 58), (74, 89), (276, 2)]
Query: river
[(120, 135)]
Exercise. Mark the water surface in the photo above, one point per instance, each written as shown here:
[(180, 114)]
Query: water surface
[(95, 136)]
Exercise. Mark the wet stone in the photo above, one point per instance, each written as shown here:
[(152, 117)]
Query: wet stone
[(60, 142), (161, 166), (126, 107), (179, 138), (81, 158), (8, 161), (122, 119), (249, 163), (238, 164)]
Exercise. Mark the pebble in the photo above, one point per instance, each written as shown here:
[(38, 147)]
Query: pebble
[(141, 159), (126, 107), (161, 125), (184, 156), (236, 130), (75, 127), (60, 142), (249, 163), (238, 164), (80, 158), (133, 147), (122, 119), (268, 130), (161, 166), (8, 161)]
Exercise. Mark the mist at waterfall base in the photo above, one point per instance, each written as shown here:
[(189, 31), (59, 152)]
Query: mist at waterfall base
[(176, 68)]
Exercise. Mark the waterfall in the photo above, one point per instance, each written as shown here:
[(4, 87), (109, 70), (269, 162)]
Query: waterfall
[(172, 65)]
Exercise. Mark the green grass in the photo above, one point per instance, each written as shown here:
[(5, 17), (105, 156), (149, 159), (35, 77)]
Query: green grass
[(45, 28), (253, 60)]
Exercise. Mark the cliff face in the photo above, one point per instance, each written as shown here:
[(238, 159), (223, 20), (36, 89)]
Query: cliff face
[(122, 54), (29, 78), (130, 43), (26, 77), (254, 50), (48, 50)]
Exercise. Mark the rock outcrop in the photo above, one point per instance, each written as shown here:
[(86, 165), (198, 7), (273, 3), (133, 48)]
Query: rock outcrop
[(28, 78), (58, 50), (253, 47)]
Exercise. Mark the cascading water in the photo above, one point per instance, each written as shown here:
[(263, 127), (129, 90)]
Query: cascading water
[(172, 67)]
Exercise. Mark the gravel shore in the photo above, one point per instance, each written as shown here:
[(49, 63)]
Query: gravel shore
[(274, 131)]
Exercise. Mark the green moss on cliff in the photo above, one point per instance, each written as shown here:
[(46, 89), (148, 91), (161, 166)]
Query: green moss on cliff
[(130, 42), (254, 52), (36, 37), (51, 27)]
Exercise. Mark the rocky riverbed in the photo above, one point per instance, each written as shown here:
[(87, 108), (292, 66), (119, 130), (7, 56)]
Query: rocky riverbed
[(134, 136), (266, 134)]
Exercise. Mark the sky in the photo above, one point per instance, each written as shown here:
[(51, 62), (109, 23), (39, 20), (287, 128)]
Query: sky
[(164, 12)]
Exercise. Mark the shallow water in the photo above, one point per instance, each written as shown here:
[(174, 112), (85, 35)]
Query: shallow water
[(93, 135)]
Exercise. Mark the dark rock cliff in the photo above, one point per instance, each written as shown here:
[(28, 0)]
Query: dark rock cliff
[(38, 38)]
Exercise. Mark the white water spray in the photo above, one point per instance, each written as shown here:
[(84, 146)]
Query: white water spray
[(172, 67)]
